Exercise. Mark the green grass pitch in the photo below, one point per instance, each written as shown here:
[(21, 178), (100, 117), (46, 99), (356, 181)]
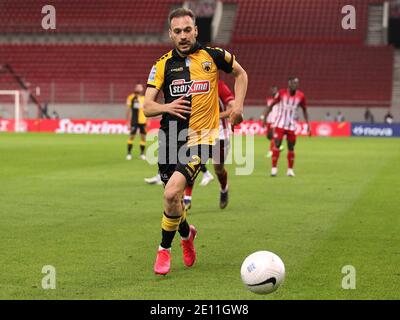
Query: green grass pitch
[(74, 202)]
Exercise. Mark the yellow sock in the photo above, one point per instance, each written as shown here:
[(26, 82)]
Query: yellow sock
[(169, 223)]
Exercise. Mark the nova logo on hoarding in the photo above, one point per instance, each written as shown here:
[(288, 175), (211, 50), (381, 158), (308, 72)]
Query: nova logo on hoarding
[(372, 131), (358, 131)]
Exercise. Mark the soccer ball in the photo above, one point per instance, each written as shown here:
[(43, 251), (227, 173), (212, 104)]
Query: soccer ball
[(262, 272)]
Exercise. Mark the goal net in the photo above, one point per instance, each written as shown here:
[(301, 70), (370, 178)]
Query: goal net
[(13, 109)]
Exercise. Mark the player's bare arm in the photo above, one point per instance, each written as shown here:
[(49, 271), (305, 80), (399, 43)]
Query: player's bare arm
[(305, 114), (241, 81), (179, 107), (229, 107), (268, 110), (264, 116), (128, 117)]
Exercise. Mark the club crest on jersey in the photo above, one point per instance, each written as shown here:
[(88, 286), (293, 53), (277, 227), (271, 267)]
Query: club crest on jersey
[(181, 87), (206, 66)]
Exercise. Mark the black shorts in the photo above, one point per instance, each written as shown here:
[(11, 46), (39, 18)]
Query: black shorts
[(188, 162), (136, 126)]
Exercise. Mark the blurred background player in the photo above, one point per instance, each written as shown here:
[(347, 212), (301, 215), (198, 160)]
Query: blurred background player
[(136, 120), (221, 148), (288, 100), (270, 119)]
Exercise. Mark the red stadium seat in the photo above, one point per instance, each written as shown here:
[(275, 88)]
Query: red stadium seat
[(298, 20), (348, 74), (272, 39), (330, 74), (123, 16), (98, 73)]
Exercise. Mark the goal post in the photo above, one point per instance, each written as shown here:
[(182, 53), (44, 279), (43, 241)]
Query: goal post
[(17, 105)]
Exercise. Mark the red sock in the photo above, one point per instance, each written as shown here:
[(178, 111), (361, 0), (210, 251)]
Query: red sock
[(223, 179), (290, 158), (188, 190), (275, 157), (271, 145)]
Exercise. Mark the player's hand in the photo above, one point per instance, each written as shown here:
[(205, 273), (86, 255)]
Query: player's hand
[(263, 120), (225, 114), (179, 107), (236, 117), (309, 129)]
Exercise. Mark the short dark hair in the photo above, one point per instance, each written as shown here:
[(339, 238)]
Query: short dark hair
[(181, 12)]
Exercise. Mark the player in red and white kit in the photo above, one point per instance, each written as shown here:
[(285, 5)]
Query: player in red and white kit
[(270, 119), (287, 100), (221, 147)]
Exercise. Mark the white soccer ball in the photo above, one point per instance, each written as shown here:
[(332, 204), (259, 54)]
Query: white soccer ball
[(262, 272)]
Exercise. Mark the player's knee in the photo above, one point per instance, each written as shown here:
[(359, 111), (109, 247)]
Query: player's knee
[(172, 195), (291, 145)]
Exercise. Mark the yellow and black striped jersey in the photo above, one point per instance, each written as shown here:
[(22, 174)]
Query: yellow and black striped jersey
[(195, 77), (135, 102)]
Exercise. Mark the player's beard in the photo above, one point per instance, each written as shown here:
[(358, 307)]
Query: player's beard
[(186, 52)]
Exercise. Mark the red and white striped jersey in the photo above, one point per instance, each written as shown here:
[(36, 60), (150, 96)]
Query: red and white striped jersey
[(287, 105), (272, 115), (225, 96)]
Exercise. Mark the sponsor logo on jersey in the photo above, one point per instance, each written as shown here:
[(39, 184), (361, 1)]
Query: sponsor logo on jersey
[(177, 69), (181, 87)]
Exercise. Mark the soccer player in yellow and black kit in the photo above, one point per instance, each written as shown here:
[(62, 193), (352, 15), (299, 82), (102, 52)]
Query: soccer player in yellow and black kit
[(136, 120), (188, 77)]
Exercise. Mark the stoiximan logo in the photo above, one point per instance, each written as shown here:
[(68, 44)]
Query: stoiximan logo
[(181, 87)]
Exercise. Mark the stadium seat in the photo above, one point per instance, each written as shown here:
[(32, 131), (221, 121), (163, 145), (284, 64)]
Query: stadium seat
[(272, 39), (80, 73), (109, 16), (347, 74), (298, 21), (330, 74)]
